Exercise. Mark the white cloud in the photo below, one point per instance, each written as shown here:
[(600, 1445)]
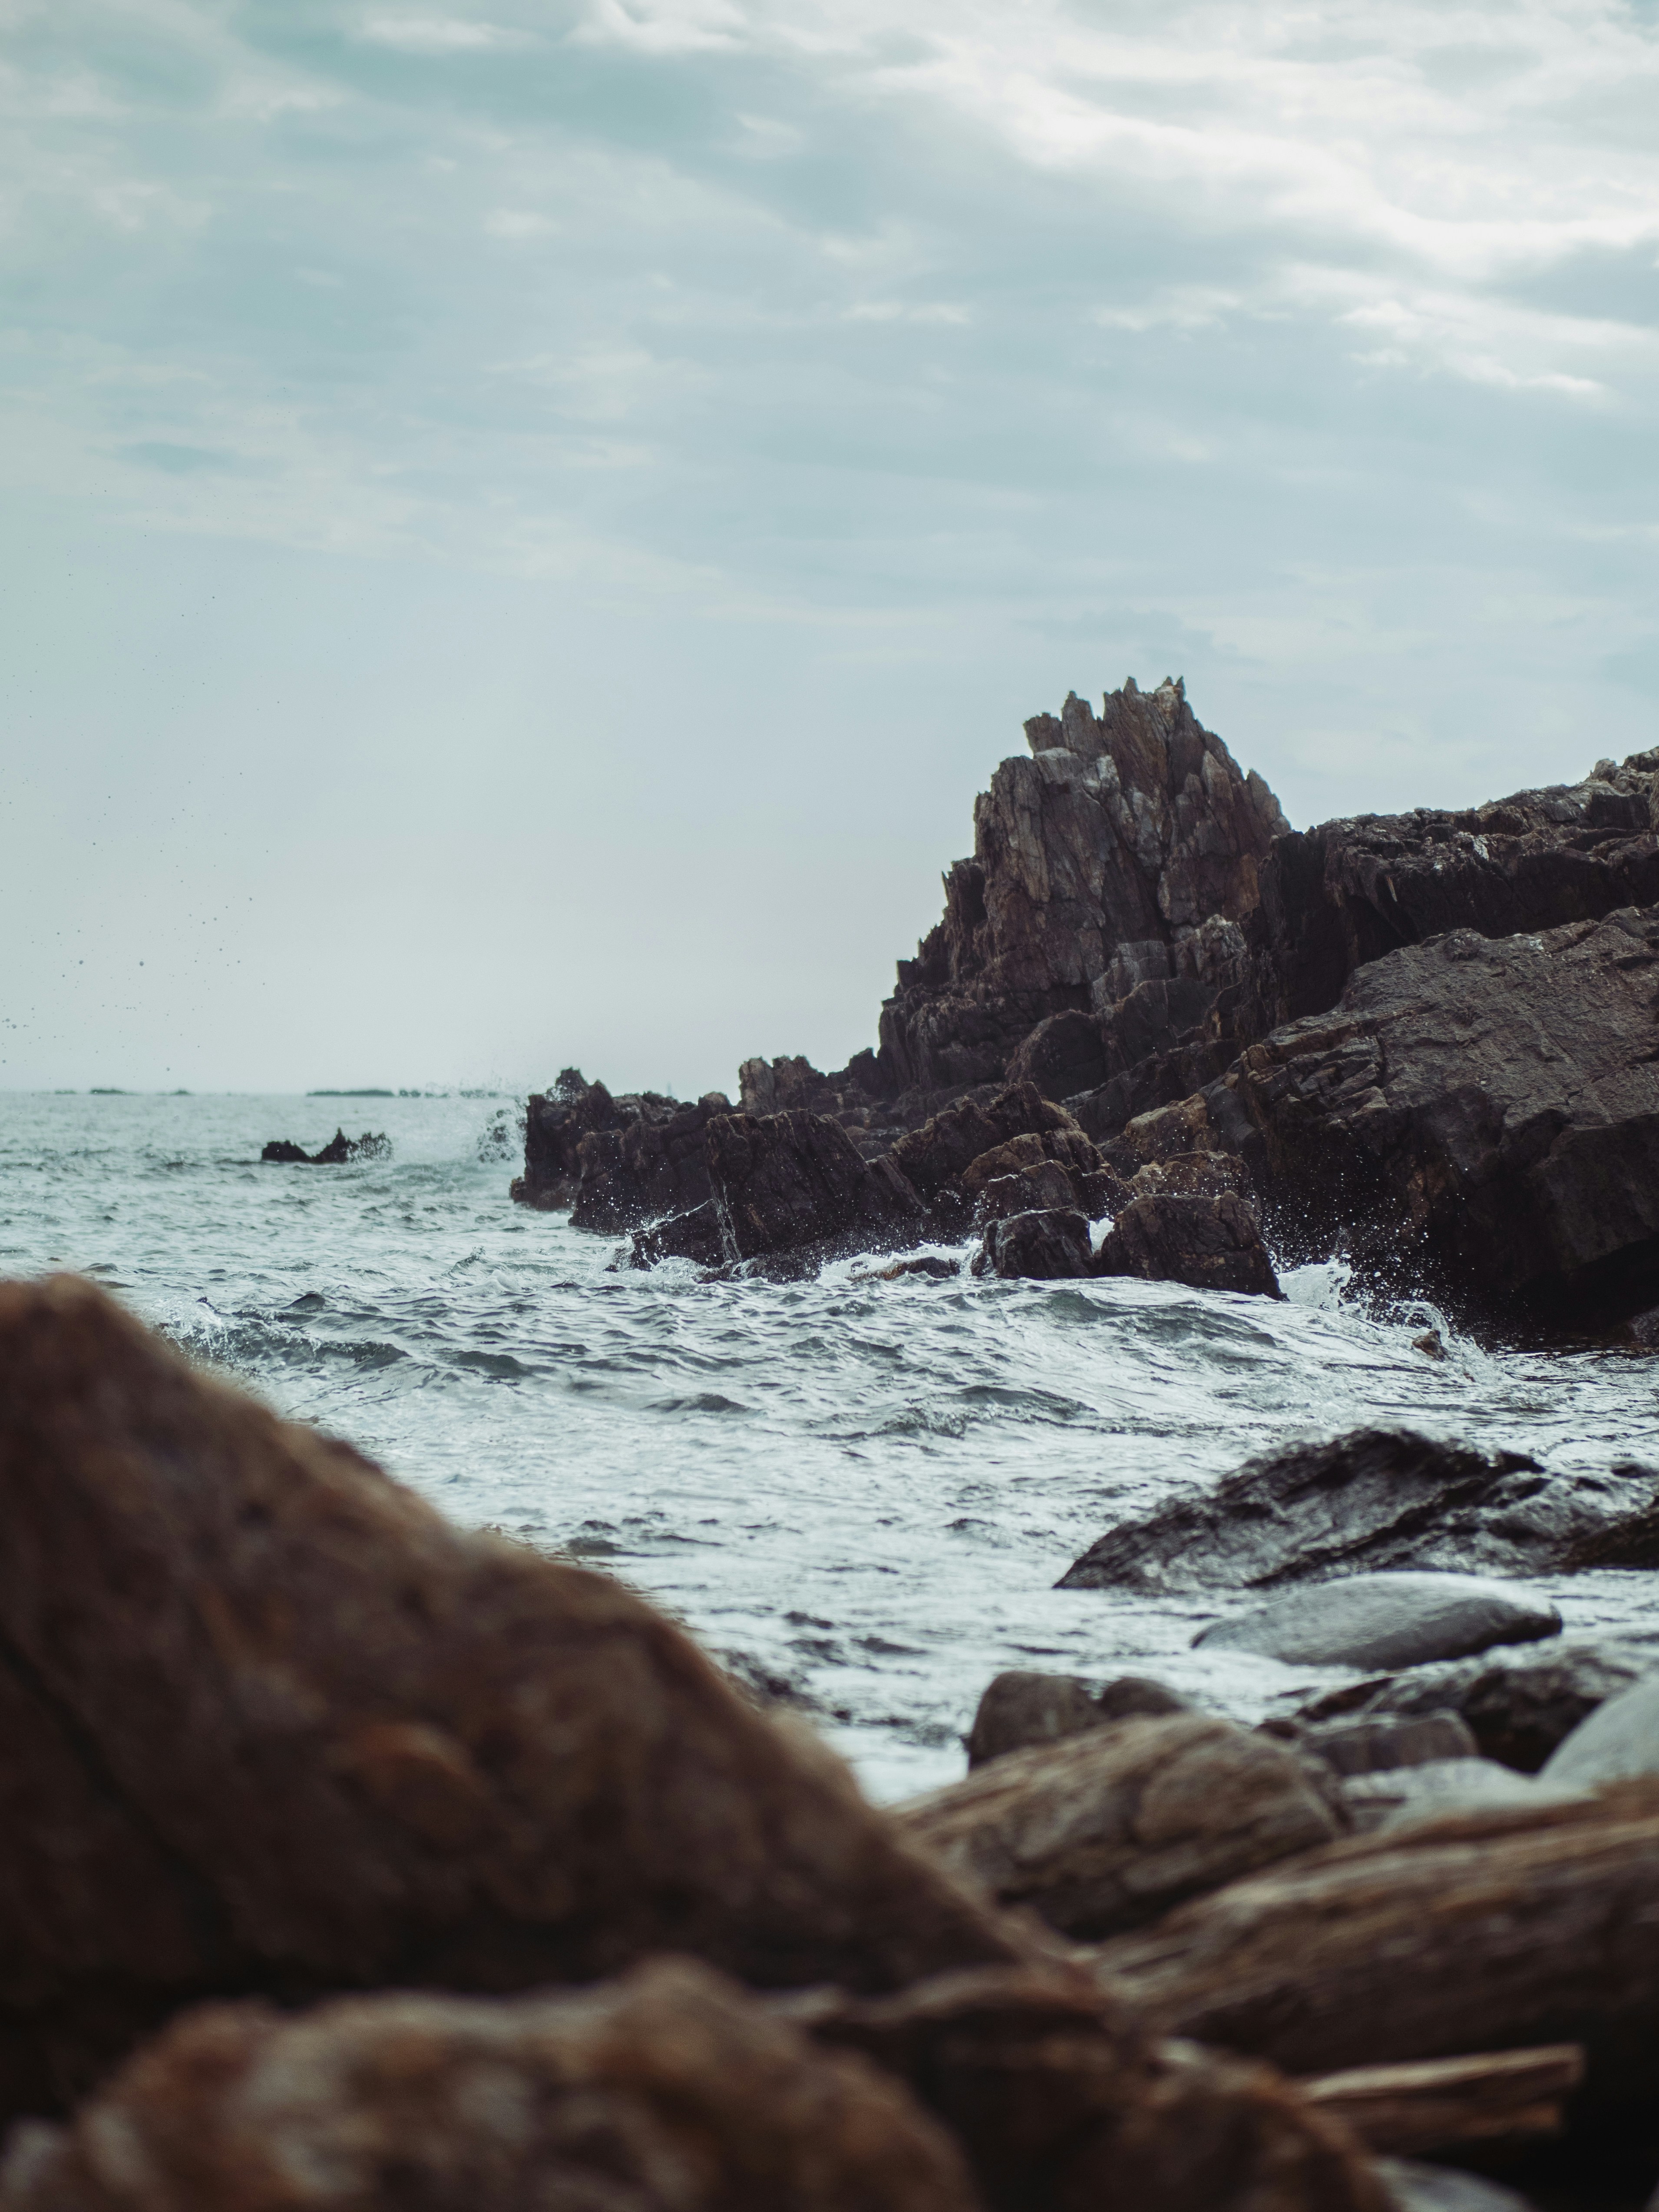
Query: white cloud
[(441, 34)]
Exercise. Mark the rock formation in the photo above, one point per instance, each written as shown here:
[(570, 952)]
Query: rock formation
[(1379, 1498), (646, 1158), (1385, 1620), (340, 1149), (1019, 1707), (1208, 1243), (672, 2090), (273, 1726), (1045, 1246)]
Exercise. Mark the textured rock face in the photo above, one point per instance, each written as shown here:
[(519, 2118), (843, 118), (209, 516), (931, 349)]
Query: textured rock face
[(1386, 1620), (338, 1151), (1064, 2105), (1489, 1107), (1477, 1932), (1345, 893), (1379, 1498), (645, 1170), (556, 1121), (1208, 1243), (1044, 1246), (670, 2091), (781, 1182), (273, 1726), (1517, 1706), (936, 1158), (1110, 873), (1111, 1827)]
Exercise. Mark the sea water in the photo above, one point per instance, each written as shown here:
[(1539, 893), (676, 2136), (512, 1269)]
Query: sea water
[(859, 1493)]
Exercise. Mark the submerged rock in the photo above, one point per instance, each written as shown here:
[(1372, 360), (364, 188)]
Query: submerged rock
[(1386, 1620), (1619, 1739), (1380, 1498), (1019, 1709), (1518, 1705), (275, 1727), (1208, 1243), (672, 2090), (1048, 1246), (1108, 1828), (337, 1152)]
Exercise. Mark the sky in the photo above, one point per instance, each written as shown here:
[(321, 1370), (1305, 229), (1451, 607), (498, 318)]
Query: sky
[(523, 527)]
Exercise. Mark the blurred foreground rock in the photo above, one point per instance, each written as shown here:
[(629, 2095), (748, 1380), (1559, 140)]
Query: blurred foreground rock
[(1019, 1707), (273, 1726)]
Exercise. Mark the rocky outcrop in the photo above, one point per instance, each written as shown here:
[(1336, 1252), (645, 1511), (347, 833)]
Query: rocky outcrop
[(1385, 1620), (1517, 1706), (1063, 2104), (1486, 1111), (783, 1182), (274, 1726), (1110, 873), (936, 1159), (1111, 1827), (1475, 1932), (1046, 1247), (1020, 1708), (672, 2090), (1208, 1243), (645, 1169), (1378, 1498), (337, 1153)]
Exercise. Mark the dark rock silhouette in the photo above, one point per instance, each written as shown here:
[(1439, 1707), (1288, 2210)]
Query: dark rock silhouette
[(1208, 1243), (672, 2090), (784, 1182), (273, 1726), (338, 1151), (1377, 1498), (556, 1121), (646, 1169)]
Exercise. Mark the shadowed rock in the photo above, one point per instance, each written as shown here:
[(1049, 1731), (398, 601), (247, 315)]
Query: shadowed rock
[(1019, 1707), (1619, 1739), (672, 2090), (645, 1169), (1208, 1243), (1379, 1498), (1386, 1620), (337, 1152), (1110, 1827), (1048, 1246), (273, 1726)]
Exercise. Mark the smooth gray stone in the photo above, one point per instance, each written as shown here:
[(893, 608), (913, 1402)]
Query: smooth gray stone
[(1386, 1620), (1372, 1747), (1389, 1799), (1415, 2188), (1620, 1738)]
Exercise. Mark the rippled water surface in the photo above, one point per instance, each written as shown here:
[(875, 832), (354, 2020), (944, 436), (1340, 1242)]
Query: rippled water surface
[(864, 1489)]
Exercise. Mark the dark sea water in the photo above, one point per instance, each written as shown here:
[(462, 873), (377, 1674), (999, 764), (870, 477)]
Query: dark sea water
[(863, 1490)]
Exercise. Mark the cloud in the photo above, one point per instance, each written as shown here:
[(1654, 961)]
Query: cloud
[(441, 34)]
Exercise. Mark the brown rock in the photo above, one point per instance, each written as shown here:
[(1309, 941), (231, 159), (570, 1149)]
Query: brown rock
[(1477, 1931), (1209, 1243), (1189, 1175), (934, 1158), (645, 1169), (1043, 1188), (672, 2090), (1049, 1246), (1019, 1707), (1069, 1149), (1064, 2105), (1108, 1828), (783, 1181), (274, 1727)]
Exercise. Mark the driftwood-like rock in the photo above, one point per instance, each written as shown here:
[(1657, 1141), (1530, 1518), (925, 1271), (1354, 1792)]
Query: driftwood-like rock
[(1517, 1706), (1432, 2104), (1108, 1828), (1019, 1707), (1386, 1620), (1475, 1932), (1208, 1243), (1064, 2104), (672, 2090), (1483, 1109), (1380, 1498), (274, 1726), (1049, 1246)]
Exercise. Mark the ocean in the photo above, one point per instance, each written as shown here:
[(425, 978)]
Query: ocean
[(856, 1493)]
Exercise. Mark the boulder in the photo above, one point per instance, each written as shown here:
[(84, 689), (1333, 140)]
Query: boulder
[(1517, 1706), (646, 1169), (1110, 873), (275, 1727), (1620, 1738), (1108, 1828), (1044, 1188), (670, 2090), (782, 1183), (1189, 1175), (1019, 1707), (1049, 1246), (1481, 1116), (934, 1158), (1382, 1745), (1208, 1243), (555, 1121), (1479, 1931), (1067, 1148), (1380, 1498), (1388, 1799), (1386, 1620), (1063, 2104), (337, 1152)]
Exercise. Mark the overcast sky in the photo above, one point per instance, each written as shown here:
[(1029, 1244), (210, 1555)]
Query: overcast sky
[(525, 526)]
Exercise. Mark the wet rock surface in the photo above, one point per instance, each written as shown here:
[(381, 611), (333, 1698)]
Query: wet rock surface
[(781, 1182), (556, 1121), (1208, 1243), (1110, 1827), (1483, 1109), (1618, 1739), (1386, 1620), (1049, 1246), (1379, 1498), (275, 1727), (337, 1152), (645, 1170), (1517, 1704), (1020, 1708), (672, 2090)]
